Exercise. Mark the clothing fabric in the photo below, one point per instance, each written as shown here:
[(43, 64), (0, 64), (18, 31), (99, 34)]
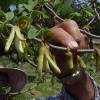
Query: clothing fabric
[(65, 96)]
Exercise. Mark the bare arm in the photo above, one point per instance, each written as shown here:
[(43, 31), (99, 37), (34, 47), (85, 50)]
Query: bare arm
[(68, 35)]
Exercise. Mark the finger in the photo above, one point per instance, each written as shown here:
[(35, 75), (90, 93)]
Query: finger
[(72, 28), (61, 36), (83, 43)]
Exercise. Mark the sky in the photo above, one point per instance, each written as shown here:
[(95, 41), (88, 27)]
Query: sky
[(98, 0), (85, 0)]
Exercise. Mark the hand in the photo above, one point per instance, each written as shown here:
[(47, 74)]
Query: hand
[(67, 34)]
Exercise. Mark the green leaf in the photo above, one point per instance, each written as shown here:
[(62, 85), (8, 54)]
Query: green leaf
[(45, 15), (65, 6), (9, 16), (25, 18), (33, 32), (48, 34), (21, 8), (31, 5), (4, 88), (89, 13), (75, 14), (2, 16), (62, 6), (57, 3), (24, 13)]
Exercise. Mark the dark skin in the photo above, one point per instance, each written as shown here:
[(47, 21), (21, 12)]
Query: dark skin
[(81, 89), (68, 34)]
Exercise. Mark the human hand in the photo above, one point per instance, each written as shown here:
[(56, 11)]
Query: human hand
[(67, 34)]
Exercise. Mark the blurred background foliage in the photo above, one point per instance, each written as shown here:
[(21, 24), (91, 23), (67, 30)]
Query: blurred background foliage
[(34, 18)]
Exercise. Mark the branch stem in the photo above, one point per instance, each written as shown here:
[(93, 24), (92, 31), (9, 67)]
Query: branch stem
[(65, 49)]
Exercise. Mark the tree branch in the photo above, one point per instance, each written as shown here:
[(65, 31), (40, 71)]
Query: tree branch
[(78, 50), (98, 16), (53, 12), (61, 19), (65, 49), (91, 20), (9, 25), (89, 34), (33, 64)]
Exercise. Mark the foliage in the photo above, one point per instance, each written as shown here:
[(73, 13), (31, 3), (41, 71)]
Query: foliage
[(34, 20), (4, 88)]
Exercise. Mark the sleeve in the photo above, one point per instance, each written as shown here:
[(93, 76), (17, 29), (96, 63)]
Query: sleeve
[(62, 96), (96, 89), (65, 96)]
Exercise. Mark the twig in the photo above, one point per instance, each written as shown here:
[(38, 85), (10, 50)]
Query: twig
[(37, 39), (65, 49), (9, 25), (24, 91), (78, 50), (53, 12), (96, 11), (96, 42), (89, 34), (91, 20), (33, 64), (57, 47), (2, 35), (97, 14)]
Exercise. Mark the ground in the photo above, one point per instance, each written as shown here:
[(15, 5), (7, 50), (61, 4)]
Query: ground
[(50, 85)]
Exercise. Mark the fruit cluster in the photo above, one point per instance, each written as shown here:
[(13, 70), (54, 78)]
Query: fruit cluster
[(47, 61), (18, 38)]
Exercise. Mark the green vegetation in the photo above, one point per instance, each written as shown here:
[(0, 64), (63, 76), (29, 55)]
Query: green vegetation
[(49, 86), (31, 19)]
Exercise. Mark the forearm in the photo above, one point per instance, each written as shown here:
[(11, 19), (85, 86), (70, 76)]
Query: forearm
[(81, 88)]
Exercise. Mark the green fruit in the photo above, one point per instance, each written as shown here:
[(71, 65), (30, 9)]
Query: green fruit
[(19, 45), (10, 39), (19, 34), (40, 61), (53, 65), (97, 58), (81, 62), (69, 60), (46, 65)]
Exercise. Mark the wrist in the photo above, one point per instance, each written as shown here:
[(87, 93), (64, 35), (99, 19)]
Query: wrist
[(73, 77), (81, 88)]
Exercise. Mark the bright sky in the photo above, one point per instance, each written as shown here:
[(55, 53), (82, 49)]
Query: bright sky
[(84, 0), (98, 0)]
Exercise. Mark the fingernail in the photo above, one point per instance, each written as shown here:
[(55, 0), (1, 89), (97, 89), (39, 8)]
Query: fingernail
[(70, 45), (73, 44)]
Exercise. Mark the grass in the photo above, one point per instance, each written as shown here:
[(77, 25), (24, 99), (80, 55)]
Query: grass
[(50, 85)]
